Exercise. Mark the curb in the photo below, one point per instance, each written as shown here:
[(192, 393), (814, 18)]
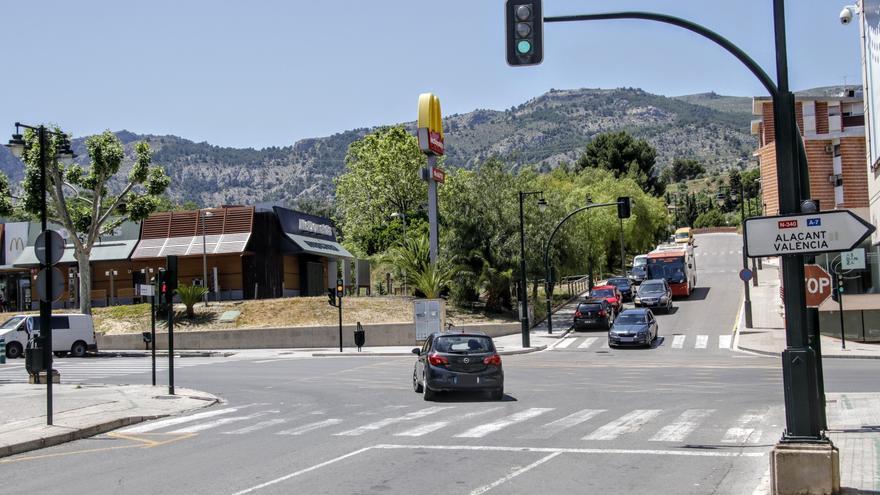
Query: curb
[(57, 439), (85, 432), (406, 354), (163, 354)]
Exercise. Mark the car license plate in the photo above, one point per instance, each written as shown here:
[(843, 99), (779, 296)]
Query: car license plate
[(627, 339), (467, 380), (589, 320)]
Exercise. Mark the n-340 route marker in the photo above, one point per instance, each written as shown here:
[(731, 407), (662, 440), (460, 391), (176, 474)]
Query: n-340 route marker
[(813, 233)]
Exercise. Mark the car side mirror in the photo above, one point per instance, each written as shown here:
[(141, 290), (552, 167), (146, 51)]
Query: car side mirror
[(416, 350)]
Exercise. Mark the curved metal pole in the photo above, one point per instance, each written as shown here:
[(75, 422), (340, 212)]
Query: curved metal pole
[(548, 281), (690, 26)]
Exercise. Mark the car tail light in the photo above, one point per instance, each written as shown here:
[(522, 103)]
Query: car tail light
[(577, 314), (493, 360), (437, 360), (603, 314)]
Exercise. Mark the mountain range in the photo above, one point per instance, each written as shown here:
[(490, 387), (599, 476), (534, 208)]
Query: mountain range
[(548, 130)]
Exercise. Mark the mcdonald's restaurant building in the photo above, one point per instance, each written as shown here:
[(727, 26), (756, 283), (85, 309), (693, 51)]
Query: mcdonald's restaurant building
[(249, 252)]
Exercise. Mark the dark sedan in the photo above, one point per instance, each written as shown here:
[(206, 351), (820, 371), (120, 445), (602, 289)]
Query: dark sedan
[(458, 361), (654, 293), (623, 285), (593, 314), (633, 327)]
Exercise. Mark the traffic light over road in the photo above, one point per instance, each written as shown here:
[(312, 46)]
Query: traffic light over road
[(525, 32), (623, 207)]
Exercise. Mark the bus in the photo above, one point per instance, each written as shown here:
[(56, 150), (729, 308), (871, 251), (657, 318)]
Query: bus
[(676, 264)]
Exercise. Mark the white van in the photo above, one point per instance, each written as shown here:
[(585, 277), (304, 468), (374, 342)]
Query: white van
[(71, 333)]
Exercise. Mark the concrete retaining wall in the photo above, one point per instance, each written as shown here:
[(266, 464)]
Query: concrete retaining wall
[(389, 334)]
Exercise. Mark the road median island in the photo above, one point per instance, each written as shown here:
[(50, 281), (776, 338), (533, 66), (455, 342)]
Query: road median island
[(84, 411)]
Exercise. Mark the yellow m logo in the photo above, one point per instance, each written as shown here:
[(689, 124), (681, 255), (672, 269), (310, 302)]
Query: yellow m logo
[(429, 113)]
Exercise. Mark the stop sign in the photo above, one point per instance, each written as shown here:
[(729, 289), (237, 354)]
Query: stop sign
[(818, 285)]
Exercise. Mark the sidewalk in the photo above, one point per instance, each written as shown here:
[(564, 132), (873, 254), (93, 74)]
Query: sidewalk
[(507, 345), (82, 411), (768, 335)]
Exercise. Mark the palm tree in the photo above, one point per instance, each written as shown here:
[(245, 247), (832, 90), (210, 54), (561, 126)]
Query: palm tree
[(411, 259), (189, 296)]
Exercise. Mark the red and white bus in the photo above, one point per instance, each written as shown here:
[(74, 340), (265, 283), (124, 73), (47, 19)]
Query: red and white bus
[(676, 264)]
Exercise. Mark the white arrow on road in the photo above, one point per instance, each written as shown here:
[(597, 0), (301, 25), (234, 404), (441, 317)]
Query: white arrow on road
[(814, 233)]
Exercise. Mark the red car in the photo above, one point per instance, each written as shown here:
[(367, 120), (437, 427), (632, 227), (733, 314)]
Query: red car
[(611, 294)]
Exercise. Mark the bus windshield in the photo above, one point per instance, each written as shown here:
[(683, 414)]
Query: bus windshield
[(672, 269)]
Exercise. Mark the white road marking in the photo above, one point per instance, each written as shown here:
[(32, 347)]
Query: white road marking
[(485, 429), (301, 471), (629, 423), (395, 419), (310, 427), (724, 341), (514, 474), (686, 423), (495, 448), (604, 344), (219, 422), (567, 341), (432, 427), (554, 427), (678, 341), (587, 342), (255, 427), (157, 425), (743, 432), (702, 342)]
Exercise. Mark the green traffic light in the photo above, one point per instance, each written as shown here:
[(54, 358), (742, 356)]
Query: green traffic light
[(523, 47)]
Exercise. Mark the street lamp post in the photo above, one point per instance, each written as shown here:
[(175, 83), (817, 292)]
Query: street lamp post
[(205, 253), (402, 217), (17, 145), (523, 292)]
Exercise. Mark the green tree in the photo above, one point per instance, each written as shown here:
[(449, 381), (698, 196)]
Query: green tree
[(682, 170), (6, 207), (381, 177), (82, 199), (624, 155), (189, 296), (711, 218)]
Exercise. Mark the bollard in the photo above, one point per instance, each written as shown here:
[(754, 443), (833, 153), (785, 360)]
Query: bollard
[(2, 350)]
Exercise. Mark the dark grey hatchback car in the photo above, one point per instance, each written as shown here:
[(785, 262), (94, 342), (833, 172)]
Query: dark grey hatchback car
[(458, 361)]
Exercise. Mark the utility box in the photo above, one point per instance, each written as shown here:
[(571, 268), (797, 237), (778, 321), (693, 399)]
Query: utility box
[(430, 316)]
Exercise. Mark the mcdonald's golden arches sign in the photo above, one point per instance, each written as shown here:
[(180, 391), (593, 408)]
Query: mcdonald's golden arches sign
[(430, 124)]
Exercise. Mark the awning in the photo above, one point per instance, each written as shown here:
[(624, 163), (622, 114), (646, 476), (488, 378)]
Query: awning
[(104, 251), (191, 245), (321, 247)]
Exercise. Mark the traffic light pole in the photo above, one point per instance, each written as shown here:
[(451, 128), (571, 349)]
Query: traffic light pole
[(47, 269), (799, 360), (170, 285), (548, 283), (153, 332), (339, 305)]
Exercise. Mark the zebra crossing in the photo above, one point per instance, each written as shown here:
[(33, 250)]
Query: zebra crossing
[(92, 370), (577, 341), (656, 426)]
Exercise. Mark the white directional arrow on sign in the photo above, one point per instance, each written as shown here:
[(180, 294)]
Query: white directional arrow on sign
[(815, 233)]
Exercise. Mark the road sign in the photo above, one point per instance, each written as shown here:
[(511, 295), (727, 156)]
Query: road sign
[(853, 260), (818, 285), (814, 233), (438, 174), (146, 290), (745, 274), (57, 284), (57, 247)]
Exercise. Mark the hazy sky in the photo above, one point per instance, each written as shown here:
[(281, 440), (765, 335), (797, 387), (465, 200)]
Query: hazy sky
[(267, 73)]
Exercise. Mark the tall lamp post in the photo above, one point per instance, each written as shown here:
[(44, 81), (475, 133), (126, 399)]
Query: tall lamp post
[(63, 154), (523, 292), (402, 217), (202, 215)]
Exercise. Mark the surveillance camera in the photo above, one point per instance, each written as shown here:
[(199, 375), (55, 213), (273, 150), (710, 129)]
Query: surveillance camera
[(846, 15)]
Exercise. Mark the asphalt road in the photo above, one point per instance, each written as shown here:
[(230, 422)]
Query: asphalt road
[(580, 419)]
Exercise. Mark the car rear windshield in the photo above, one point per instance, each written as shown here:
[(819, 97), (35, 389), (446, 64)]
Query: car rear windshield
[(618, 281), (602, 293), (590, 307), (11, 323), (650, 288), (463, 344)]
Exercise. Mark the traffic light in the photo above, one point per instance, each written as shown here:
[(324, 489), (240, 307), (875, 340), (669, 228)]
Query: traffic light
[(525, 32), (331, 297), (170, 278), (623, 207), (340, 288), (161, 285)]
